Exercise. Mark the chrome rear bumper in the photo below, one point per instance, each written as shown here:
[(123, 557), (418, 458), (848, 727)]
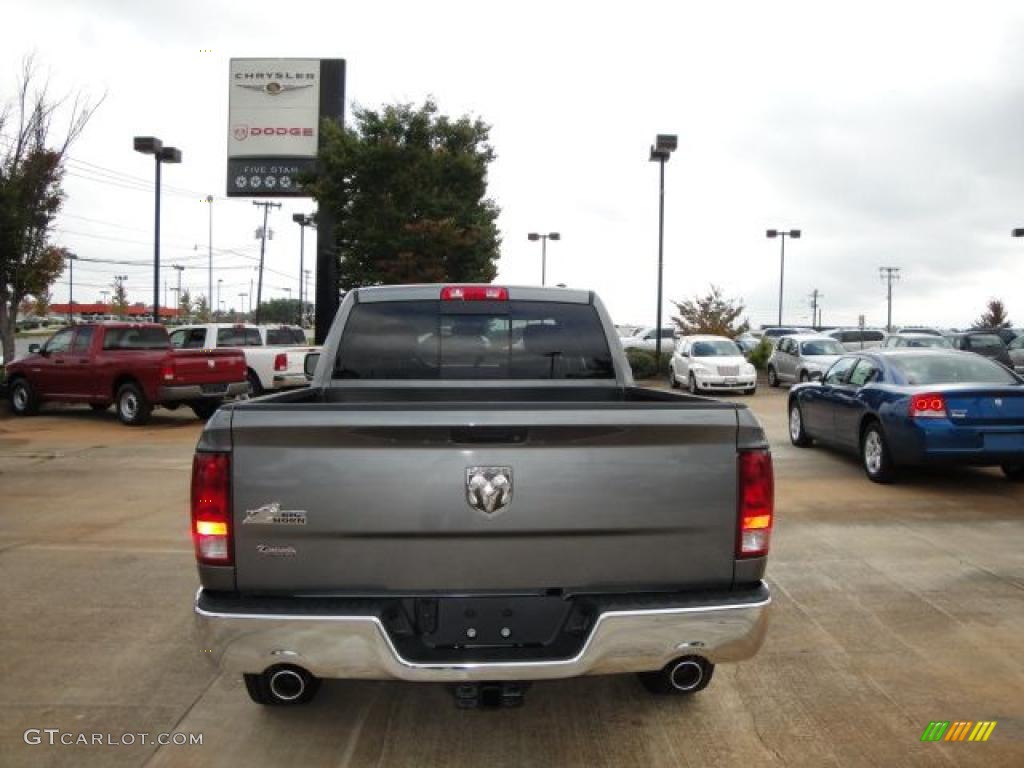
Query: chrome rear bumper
[(352, 646)]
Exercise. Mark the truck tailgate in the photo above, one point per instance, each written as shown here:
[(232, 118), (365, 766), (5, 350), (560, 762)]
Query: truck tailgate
[(371, 499), (208, 366)]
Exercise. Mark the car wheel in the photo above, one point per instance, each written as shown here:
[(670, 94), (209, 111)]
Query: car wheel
[(23, 399), (133, 408), (673, 382), (804, 377), (255, 388), (875, 457), (797, 432), (204, 409), (282, 686), (1014, 472), (773, 377), (99, 407), (691, 385)]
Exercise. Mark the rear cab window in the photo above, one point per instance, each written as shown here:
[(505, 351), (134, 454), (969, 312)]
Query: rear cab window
[(434, 340), (239, 337), (285, 337), (135, 338)]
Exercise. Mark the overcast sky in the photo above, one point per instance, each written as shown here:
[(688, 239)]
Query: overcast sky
[(890, 133)]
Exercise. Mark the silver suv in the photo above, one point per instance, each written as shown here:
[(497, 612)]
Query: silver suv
[(802, 357)]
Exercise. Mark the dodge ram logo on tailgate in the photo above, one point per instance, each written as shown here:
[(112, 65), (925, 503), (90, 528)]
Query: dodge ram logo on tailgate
[(489, 489)]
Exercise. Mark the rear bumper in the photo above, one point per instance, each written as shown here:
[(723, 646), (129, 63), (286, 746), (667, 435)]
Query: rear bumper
[(287, 380), (943, 442), (346, 644), (195, 392)]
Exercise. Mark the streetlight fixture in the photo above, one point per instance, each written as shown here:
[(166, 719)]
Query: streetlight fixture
[(150, 145), (664, 145), (72, 258), (535, 236), (782, 234), (303, 220)]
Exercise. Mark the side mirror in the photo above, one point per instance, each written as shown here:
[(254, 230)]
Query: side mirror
[(310, 363), (34, 349)]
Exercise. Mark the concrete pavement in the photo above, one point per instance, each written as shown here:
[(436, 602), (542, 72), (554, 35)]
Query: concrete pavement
[(895, 606)]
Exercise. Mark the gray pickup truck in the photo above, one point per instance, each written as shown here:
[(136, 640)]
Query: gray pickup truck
[(473, 491)]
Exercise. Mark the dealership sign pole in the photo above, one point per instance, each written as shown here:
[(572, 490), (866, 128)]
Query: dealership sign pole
[(275, 109)]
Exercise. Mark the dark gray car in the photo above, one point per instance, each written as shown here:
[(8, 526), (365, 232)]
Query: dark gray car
[(473, 491)]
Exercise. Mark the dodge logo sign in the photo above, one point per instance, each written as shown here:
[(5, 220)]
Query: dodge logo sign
[(489, 489), (241, 132)]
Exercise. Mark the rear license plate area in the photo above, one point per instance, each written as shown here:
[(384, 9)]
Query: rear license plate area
[(1013, 441), (479, 622), (214, 389)]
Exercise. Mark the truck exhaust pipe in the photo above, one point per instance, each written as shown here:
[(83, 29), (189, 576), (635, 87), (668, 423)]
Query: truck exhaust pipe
[(686, 675), (287, 684), (682, 676)]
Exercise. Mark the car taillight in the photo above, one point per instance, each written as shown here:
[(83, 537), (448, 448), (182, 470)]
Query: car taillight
[(474, 293), (281, 362), (211, 508), (756, 503), (928, 406), (167, 371)]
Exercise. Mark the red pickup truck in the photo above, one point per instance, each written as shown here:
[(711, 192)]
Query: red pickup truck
[(131, 365)]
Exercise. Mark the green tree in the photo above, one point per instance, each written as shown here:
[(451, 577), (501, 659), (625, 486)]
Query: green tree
[(408, 188), (119, 300), (184, 304), (41, 305), (279, 311), (994, 315), (201, 310), (31, 172), (711, 313)]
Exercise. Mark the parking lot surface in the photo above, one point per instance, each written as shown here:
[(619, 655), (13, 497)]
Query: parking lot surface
[(894, 607)]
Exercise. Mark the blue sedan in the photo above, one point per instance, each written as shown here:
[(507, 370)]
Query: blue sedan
[(899, 407)]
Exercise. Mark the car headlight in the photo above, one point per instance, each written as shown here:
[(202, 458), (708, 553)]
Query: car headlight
[(698, 368), (748, 369)]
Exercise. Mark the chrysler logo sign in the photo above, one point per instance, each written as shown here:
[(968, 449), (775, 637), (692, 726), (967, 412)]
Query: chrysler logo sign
[(274, 88)]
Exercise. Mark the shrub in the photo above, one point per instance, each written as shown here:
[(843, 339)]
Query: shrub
[(759, 355), (642, 363)]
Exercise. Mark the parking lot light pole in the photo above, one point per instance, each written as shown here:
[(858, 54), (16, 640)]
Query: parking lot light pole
[(303, 220), (534, 237), (664, 145), (782, 234), (149, 145), (71, 282)]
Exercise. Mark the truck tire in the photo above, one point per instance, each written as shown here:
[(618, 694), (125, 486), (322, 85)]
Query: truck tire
[(282, 686), (255, 388), (680, 677), (24, 401), (1014, 472), (875, 456), (133, 408), (797, 431), (204, 409)]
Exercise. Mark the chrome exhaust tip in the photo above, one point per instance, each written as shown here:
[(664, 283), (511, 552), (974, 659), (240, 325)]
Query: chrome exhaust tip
[(287, 684), (686, 675)]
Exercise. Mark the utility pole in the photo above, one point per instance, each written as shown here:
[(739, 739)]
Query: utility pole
[(71, 283), (209, 241), (263, 247), (179, 269), (889, 274), (815, 295)]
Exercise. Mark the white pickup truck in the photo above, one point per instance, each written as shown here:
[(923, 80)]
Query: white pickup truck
[(274, 354)]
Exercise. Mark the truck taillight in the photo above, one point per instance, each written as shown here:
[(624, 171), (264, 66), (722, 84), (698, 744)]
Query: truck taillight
[(167, 371), (756, 503), (928, 407), (474, 293), (281, 362), (211, 508)]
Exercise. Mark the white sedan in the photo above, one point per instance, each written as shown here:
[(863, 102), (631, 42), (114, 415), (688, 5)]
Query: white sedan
[(711, 364)]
